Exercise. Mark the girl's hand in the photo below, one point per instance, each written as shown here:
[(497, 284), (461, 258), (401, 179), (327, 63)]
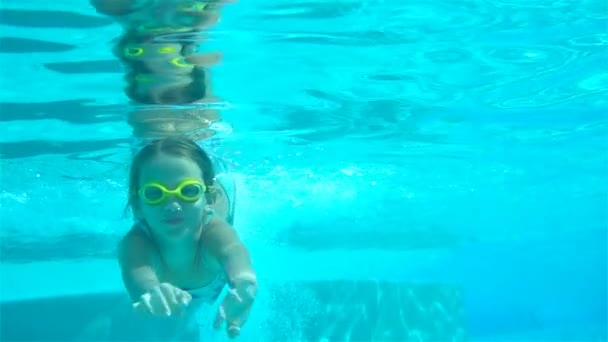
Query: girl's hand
[(236, 306), (163, 300)]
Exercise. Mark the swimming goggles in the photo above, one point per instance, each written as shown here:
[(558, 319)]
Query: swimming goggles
[(189, 190)]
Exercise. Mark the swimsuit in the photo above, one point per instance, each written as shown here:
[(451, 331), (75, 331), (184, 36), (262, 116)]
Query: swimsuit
[(210, 292)]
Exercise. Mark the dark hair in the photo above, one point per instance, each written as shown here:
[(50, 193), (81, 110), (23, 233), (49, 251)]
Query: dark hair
[(173, 146)]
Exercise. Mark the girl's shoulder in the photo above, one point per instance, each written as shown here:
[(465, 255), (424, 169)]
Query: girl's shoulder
[(137, 238)]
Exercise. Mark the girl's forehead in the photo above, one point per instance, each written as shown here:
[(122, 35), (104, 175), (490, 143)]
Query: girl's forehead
[(170, 170)]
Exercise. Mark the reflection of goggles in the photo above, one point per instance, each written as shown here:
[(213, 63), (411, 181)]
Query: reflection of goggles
[(189, 190), (140, 51), (136, 51)]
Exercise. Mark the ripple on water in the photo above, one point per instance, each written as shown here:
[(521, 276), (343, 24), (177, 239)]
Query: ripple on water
[(542, 98), (309, 10), (595, 9), (597, 82), (446, 55), (523, 69), (455, 67), (532, 3), (415, 88), (527, 61), (443, 16), (465, 76), (598, 39)]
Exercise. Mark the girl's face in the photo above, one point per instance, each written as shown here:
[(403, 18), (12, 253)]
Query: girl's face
[(176, 216)]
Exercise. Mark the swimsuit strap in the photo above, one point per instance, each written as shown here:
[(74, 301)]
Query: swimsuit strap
[(209, 212), (209, 215), (227, 184)]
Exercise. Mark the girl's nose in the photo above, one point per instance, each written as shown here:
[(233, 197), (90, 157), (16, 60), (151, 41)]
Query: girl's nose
[(172, 206)]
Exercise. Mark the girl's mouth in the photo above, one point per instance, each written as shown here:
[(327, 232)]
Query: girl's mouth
[(174, 221)]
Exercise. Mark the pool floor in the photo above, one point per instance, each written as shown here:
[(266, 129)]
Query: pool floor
[(289, 311)]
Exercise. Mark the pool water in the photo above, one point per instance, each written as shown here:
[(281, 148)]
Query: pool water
[(406, 171)]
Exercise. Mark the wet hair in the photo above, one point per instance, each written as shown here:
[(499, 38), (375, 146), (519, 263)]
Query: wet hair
[(176, 147)]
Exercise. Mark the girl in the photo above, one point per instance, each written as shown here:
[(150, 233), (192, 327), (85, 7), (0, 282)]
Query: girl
[(182, 250)]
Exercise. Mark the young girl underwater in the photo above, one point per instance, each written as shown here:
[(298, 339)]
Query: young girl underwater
[(182, 251)]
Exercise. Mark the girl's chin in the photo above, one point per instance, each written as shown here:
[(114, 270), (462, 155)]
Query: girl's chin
[(179, 233)]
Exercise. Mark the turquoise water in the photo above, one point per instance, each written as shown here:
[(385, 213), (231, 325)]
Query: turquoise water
[(407, 170)]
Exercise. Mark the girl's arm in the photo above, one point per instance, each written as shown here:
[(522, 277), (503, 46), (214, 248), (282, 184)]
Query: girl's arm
[(136, 259), (224, 244)]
